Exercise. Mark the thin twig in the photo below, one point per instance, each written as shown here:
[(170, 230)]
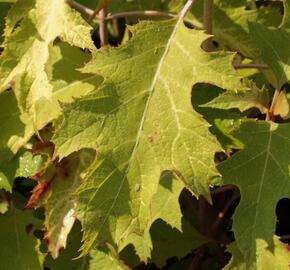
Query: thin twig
[(94, 14), (149, 13), (221, 216), (146, 13), (256, 66), (81, 8), (186, 8), (208, 23), (103, 27)]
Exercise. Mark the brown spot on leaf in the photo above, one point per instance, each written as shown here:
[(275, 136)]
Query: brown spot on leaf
[(151, 139)]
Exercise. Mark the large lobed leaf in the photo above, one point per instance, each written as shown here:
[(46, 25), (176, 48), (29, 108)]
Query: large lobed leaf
[(141, 122), (261, 171)]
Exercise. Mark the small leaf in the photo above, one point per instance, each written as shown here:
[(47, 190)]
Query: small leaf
[(242, 100), (29, 165)]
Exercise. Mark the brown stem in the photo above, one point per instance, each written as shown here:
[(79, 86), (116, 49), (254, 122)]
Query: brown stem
[(285, 237), (208, 23), (145, 13), (103, 27), (116, 27), (256, 66), (94, 14), (81, 8), (222, 214), (150, 13)]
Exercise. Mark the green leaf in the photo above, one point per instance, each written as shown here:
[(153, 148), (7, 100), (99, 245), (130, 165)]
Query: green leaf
[(17, 12), (20, 244), (67, 258), (4, 8), (277, 258), (26, 63), (11, 127), (29, 165), (222, 121), (141, 122), (60, 209), (242, 100), (286, 19), (169, 242), (4, 204), (106, 258), (166, 197), (67, 81), (261, 171), (272, 43), (230, 23)]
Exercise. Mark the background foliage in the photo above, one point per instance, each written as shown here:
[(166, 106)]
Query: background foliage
[(132, 139)]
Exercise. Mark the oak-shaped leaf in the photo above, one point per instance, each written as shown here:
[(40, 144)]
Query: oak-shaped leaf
[(261, 171), (142, 123)]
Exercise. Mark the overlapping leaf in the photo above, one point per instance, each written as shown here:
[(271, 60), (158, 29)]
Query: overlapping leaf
[(27, 52), (230, 23), (273, 45), (242, 100), (168, 242), (4, 8), (277, 258), (10, 126), (166, 197), (17, 12), (19, 244), (141, 122), (106, 258), (261, 171), (58, 198)]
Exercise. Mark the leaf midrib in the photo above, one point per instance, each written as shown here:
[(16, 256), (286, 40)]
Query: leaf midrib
[(139, 132)]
